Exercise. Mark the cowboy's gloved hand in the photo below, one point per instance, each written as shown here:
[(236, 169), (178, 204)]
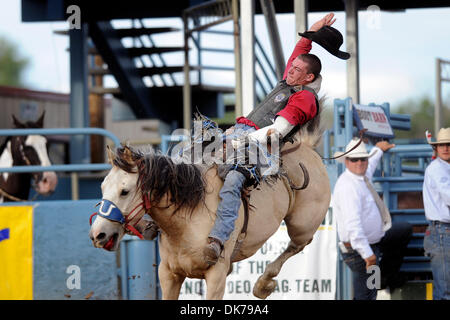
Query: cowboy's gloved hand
[(280, 126), (237, 143), (230, 130), (261, 135)]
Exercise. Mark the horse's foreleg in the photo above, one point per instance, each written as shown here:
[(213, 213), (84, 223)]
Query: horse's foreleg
[(216, 280), (170, 283), (265, 284)]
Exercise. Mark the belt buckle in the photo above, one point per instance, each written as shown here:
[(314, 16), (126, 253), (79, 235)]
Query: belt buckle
[(345, 247)]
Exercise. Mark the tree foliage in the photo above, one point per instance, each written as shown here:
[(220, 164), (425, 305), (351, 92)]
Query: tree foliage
[(12, 65), (422, 117)]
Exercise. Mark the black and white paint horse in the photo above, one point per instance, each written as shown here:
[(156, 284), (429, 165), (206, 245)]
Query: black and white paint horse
[(23, 151)]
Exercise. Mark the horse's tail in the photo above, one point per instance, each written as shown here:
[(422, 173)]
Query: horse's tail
[(311, 134)]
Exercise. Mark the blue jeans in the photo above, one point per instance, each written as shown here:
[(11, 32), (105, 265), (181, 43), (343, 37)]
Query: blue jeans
[(359, 274), (389, 252), (230, 195), (227, 211), (437, 245)]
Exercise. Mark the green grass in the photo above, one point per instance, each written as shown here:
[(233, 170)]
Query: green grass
[(228, 118)]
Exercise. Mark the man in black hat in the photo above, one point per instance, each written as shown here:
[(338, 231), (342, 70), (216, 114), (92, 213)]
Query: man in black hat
[(290, 105), (294, 102)]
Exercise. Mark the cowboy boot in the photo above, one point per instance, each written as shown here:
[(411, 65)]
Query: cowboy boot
[(148, 228), (212, 251), (151, 231)]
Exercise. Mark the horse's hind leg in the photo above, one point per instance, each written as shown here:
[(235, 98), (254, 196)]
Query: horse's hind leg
[(265, 284)]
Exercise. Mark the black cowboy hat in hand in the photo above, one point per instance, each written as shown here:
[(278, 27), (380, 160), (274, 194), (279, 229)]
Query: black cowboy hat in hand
[(329, 38)]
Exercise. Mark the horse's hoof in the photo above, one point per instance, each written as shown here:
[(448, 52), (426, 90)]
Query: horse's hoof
[(263, 288)]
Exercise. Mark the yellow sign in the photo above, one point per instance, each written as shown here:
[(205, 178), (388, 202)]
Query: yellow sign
[(16, 253)]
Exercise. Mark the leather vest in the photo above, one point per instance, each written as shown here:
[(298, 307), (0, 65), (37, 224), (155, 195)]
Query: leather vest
[(264, 114)]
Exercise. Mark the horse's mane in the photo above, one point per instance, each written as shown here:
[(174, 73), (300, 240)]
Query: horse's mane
[(312, 133), (158, 174)]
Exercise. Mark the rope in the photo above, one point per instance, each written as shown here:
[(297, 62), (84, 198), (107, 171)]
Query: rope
[(10, 197), (361, 133), (291, 194)]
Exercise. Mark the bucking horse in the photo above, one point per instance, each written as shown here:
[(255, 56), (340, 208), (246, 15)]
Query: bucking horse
[(183, 198)]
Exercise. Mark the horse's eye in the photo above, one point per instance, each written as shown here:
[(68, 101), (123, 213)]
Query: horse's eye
[(124, 192)]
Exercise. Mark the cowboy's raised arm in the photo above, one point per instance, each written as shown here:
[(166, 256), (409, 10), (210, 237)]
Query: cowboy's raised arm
[(304, 45), (382, 147)]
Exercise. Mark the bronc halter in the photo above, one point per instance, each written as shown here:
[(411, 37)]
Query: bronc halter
[(110, 211)]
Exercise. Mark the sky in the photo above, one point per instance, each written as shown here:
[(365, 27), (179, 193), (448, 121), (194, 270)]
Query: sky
[(397, 51)]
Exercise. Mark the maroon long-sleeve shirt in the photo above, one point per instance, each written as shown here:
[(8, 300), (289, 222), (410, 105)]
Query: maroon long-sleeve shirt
[(301, 106)]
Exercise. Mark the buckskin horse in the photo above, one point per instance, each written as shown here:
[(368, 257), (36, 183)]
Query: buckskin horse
[(23, 151), (182, 199)]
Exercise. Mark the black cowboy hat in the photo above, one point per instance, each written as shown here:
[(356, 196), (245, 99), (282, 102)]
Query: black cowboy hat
[(329, 38)]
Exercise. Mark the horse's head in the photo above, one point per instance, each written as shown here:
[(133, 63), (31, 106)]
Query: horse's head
[(121, 201), (137, 182), (32, 150)]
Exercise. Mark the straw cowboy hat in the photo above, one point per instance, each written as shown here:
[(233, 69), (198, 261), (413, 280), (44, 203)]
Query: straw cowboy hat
[(359, 152), (443, 136)]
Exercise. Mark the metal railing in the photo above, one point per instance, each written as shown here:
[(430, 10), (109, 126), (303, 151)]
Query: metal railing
[(213, 13), (209, 14), (64, 131), (160, 57), (266, 73)]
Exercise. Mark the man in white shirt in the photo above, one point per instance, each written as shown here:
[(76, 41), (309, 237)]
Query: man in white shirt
[(436, 200), (367, 235)]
